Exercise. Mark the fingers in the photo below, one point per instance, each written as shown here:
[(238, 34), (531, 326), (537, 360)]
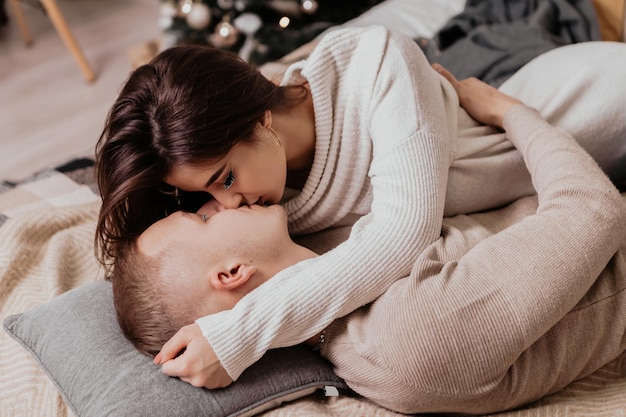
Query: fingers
[(461, 86), (184, 368), (483, 102), (190, 370), (173, 346), (181, 367), (447, 74), (184, 365), (197, 365)]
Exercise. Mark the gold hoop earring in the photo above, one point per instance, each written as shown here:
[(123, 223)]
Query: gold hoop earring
[(177, 196), (274, 136)]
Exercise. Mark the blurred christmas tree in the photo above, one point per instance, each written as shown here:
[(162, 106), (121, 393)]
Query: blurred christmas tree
[(258, 30)]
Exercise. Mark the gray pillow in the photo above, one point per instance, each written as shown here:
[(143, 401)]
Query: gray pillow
[(77, 341)]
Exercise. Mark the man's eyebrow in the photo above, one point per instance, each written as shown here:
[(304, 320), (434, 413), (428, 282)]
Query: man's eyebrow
[(215, 176)]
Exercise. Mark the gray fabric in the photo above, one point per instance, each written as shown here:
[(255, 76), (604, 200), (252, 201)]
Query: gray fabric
[(492, 39), (77, 341)]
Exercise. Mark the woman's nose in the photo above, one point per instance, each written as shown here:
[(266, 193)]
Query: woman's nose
[(228, 200), (210, 208)]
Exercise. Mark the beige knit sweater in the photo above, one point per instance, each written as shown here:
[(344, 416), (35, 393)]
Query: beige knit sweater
[(499, 312)]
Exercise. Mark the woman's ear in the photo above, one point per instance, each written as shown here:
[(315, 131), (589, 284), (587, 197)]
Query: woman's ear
[(267, 119), (232, 278)]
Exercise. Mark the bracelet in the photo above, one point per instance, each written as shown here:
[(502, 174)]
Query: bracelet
[(320, 342)]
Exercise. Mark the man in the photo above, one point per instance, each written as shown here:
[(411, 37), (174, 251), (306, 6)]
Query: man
[(506, 307)]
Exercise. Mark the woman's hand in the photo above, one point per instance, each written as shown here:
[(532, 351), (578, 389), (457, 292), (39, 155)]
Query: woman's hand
[(198, 365), (483, 102)]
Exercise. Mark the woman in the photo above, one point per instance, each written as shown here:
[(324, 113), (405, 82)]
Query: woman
[(371, 137)]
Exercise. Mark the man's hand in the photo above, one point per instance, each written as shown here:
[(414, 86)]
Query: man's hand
[(483, 102), (198, 365)]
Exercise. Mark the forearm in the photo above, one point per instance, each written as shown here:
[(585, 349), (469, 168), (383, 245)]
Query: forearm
[(562, 171), (547, 262)]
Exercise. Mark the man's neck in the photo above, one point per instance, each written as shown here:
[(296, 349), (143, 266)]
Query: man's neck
[(294, 254)]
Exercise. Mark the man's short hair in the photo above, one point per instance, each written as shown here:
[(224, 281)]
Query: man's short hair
[(150, 308)]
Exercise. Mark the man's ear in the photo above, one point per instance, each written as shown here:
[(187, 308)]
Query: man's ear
[(232, 278)]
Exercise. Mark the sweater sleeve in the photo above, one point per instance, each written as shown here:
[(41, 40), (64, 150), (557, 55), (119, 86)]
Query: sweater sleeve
[(411, 138)]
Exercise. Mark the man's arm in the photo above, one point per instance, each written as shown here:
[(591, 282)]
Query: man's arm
[(491, 317)]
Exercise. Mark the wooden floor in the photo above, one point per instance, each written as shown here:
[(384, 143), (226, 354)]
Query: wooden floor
[(48, 112)]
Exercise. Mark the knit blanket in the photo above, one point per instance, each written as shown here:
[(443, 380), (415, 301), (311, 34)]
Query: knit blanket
[(46, 248), (47, 226)]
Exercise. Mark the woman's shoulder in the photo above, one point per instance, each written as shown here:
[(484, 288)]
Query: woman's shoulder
[(357, 31), (362, 33), (350, 47), (369, 40), (353, 35)]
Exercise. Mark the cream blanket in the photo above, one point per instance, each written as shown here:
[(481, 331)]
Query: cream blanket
[(46, 248)]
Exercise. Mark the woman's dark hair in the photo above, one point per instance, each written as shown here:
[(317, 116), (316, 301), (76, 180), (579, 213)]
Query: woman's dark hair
[(190, 105)]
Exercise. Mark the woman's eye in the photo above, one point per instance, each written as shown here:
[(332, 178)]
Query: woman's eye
[(230, 179)]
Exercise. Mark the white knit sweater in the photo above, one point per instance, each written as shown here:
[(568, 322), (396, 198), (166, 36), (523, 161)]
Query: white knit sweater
[(384, 126)]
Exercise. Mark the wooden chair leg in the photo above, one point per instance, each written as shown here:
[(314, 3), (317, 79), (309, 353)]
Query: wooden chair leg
[(21, 21), (64, 31)]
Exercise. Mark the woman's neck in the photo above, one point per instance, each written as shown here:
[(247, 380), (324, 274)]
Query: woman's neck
[(296, 128)]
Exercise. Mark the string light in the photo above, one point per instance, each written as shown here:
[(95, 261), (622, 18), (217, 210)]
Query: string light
[(225, 30), (185, 8), (284, 22), (309, 6)]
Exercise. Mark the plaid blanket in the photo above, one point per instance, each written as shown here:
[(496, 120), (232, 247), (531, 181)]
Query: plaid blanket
[(69, 184), (47, 225)]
